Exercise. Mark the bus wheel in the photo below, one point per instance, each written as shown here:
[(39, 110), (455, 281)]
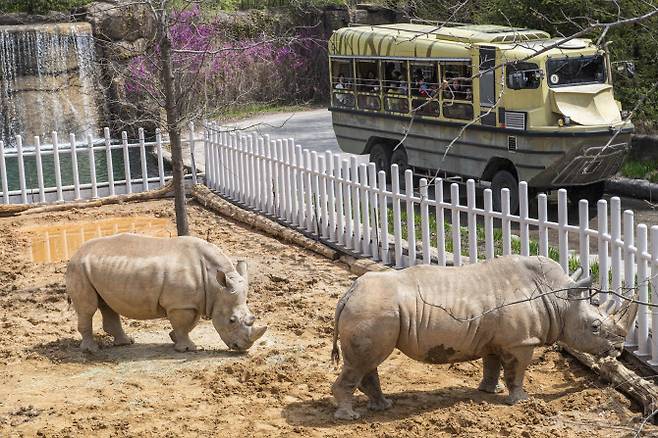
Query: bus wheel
[(505, 180), (399, 157), (381, 155), (591, 192)]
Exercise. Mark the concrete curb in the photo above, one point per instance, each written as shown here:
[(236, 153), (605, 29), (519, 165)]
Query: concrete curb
[(632, 188)]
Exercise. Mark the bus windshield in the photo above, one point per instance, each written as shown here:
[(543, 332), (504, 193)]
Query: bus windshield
[(574, 71)]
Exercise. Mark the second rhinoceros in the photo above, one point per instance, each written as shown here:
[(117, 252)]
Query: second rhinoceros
[(182, 279), (498, 311)]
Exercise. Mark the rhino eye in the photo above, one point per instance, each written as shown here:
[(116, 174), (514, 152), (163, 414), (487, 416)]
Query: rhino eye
[(596, 327), (232, 319)]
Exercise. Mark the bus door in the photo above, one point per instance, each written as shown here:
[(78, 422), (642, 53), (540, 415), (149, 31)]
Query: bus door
[(487, 85)]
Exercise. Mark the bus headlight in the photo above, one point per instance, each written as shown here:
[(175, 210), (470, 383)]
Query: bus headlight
[(567, 120), (560, 122)]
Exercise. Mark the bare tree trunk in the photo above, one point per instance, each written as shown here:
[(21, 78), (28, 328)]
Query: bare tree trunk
[(173, 127)]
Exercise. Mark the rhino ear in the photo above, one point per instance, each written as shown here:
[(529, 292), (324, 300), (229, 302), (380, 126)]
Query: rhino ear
[(578, 288), (241, 267), (221, 278)]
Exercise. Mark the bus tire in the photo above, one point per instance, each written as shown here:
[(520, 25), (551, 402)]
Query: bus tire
[(399, 157), (501, 180), (591, 192), (380, 154)]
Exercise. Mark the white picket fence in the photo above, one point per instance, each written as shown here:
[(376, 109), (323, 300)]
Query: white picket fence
[(349, 204), (80, 158)]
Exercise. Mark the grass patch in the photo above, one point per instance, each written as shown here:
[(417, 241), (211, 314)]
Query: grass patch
[(644, 169), (255, 109)]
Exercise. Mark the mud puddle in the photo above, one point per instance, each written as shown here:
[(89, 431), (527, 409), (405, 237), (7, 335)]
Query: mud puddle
[(54, 243)]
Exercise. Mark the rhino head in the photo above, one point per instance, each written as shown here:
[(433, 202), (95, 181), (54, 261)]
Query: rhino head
[(230, 316), (597, 330)]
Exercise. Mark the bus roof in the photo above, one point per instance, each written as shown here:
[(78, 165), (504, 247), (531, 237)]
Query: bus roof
[(449, 41)]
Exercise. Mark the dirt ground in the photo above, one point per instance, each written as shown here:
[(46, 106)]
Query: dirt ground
[(281, 387)]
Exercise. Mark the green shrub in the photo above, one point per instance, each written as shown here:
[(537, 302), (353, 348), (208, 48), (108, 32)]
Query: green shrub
[(41, 6)]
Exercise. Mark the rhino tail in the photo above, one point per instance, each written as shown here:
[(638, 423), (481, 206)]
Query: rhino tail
[(335, 351)]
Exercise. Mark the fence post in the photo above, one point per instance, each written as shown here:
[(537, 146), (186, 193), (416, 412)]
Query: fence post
[(383, 217), (158, 146), (374, 220), (602, 248), (523, 218), (292, 184), (440, 222), (424, 221), (126, 162), (58, 169), (108, 160), (356, 203), (629, 268), (583, 237), (142, 156), (310, 188), (411, 222), (92, 167), (488, 224), (507, 232), (39, 162), (542, 210), (563, 235), (365, 208), (472, 226), (21, 169), (3, 175), (643, 296), (456, 227), (615, 242), (324, 208), (654, 295), (340, 218), (206, 154), (347, 197), (331, 205), (397, 215), (74, 166), (192, 144), (269, 176)]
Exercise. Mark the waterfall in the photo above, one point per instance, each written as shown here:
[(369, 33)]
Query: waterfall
[(47, 81)]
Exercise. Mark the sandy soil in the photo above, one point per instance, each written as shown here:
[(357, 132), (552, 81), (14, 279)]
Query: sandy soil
[(280, 387)]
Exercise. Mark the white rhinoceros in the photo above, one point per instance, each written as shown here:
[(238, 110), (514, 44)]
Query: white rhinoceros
[(141, 277), (498, 310)]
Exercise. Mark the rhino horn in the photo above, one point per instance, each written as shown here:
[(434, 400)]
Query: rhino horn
[(627, 316), (609, 307), (257, 332)]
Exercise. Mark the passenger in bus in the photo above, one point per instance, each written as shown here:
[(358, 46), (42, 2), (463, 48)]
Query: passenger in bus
[(372, 83), (342, 84)]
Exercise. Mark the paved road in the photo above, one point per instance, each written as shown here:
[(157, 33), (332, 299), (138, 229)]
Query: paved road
[(312, 130)]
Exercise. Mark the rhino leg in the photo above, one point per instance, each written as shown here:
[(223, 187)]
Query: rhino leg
[(182, 322), (491, 374), (85, 302), (365, 345), (112, 325), (370, 386), (514, 366)]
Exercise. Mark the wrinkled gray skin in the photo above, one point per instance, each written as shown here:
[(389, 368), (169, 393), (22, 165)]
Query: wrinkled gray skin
[(421, 311), (139, 277)]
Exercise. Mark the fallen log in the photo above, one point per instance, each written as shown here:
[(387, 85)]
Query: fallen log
[(21, 209), (614, 372), (208, 199)]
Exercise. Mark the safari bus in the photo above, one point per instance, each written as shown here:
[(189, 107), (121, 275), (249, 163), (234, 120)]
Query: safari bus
[(493, 103)]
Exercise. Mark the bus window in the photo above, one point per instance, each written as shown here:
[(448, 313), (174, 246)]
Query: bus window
[(342, 83), (459, 85), (367, 76), (424, 86), (396, 104), (367, 85), (395, 77), (523, 75)]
